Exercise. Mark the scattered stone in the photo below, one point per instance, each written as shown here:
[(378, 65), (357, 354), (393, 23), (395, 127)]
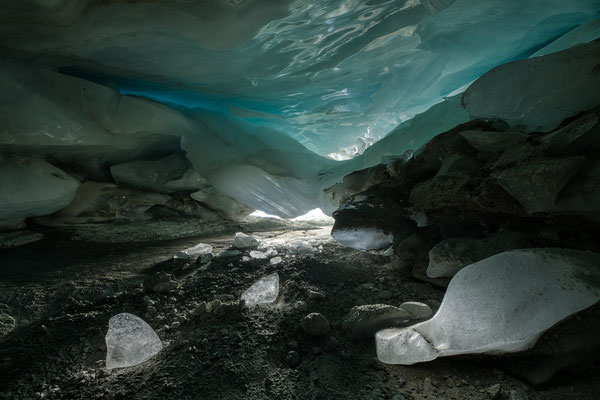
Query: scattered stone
[(7, 322), (385, 294), (517, 395), (229, 253), (226, 297), (147, 301), (18, 238), (258, 255), (451, 255), (300, 247), (301, 305), (417, 310), (204, 259), (293, 359), (494, 391), (130, 341), (263, 291), (364, 321), (161, 282), (315, 324), (332, 344)]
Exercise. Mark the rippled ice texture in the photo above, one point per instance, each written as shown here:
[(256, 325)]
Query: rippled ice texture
[(334, 70), (256, 92)]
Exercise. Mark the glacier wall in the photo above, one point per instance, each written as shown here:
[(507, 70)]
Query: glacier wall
[(255, 93)]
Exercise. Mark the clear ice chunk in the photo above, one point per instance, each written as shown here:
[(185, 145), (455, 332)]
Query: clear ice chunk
[(130, 341), (275, 260), (263, 291), (258, 255), (243, 241), (498, 305), (195, 251), (363, 238)]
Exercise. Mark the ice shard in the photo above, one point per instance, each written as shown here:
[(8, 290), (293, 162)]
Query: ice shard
[(263, 291), (130, 341)]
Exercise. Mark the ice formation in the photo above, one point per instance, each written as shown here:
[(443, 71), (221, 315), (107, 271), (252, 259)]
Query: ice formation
[(130, 341), (243, 241), (263, 291), (363, 238), (500, 304), (195, 251), (117, 99), (30, 187)]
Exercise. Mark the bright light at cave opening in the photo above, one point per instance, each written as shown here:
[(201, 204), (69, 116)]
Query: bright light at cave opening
[(313, 215)]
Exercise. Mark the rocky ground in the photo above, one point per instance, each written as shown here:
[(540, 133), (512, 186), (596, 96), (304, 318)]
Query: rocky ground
[(216, 348)]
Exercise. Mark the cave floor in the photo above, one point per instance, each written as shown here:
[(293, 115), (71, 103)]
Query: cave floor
[(63, 292)]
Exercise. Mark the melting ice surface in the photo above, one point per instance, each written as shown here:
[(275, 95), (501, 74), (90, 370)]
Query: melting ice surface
[(130, 341)]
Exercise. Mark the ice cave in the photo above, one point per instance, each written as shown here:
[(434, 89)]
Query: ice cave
[(293, 199)]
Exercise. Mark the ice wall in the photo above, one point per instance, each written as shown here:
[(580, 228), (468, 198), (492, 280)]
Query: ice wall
[(254, 92), (325, 73)]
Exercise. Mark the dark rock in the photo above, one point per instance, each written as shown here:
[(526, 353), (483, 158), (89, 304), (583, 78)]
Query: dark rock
[(536, 183), (451, 255), (161, 282), (494, 142), (364, 321), (293, 359), (315, 324)]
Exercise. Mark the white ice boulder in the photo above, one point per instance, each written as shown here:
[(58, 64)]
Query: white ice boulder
[(195, 251), (498, 305), (263, 291), (243, 241), (363, 238), (130, 341), (32, 187)]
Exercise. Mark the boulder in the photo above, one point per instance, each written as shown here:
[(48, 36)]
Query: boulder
[(315, 324), (161, 282)]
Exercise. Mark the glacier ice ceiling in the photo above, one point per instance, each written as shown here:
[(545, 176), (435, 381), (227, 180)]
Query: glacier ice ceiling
[(262, 96)]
